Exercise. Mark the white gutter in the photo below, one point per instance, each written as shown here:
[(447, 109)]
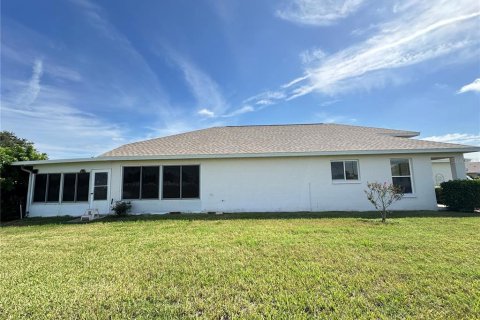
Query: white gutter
[(249, 155), (29, 190)]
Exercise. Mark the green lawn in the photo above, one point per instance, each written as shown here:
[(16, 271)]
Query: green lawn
[(326, 265)]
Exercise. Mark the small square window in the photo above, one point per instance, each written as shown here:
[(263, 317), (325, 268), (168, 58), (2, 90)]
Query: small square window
[(345, 170)]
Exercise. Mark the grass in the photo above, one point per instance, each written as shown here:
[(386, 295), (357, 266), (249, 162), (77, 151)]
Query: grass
[(296, 266)]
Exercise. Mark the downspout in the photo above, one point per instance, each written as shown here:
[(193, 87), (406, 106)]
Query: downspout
[(29, 189)]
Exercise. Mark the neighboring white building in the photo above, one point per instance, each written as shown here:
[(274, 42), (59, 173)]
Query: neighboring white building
[(311, 167), (473, 169)]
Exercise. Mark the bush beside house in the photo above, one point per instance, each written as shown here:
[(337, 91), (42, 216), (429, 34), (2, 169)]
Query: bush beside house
[(462, 195), (14, 181)]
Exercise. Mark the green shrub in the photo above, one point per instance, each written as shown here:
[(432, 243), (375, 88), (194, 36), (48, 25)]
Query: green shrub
[(121, 208), (463, 195), (439, 195)]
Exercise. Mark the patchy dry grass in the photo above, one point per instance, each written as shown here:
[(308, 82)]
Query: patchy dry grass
[(426, 265)]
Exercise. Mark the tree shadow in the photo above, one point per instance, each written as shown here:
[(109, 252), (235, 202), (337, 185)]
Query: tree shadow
[(67, 220)]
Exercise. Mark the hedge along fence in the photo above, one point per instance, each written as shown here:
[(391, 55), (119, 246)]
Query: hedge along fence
[(463, 195)]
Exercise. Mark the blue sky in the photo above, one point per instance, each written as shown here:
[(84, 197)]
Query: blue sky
[(81, 77)]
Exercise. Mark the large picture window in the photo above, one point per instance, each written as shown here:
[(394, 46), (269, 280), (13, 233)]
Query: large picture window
[(75, 187), (345, 170), (401, 175), (141, 182), (181, 182)]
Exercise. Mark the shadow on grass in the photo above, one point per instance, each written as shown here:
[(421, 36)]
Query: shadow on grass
[(246, 216)]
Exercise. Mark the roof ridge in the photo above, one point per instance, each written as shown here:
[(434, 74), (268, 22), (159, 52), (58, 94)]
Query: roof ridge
[(320, 123), (276, 125)]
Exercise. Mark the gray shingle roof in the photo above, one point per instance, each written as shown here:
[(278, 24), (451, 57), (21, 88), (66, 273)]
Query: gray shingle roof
[(262, 139)]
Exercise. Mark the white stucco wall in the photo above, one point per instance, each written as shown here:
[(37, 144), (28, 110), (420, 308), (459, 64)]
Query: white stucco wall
[(441, 169), (263, 185)]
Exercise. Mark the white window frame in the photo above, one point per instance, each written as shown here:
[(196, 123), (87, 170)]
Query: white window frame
[(410, 168), (344, 180)]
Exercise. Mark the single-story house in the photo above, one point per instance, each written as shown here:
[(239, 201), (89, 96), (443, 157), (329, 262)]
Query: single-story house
[(262, 168)]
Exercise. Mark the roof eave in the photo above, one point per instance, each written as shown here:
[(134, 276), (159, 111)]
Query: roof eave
[(248, 155)]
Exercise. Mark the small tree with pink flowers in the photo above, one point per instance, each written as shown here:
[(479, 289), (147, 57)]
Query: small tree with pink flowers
[(383, 196)]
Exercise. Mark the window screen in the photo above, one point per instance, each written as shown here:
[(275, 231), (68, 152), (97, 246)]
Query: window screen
[(131, 183), (40, 187), (53, 187), (150, 183), (69, 185), (190, 182), (171, 182), (83, 184)]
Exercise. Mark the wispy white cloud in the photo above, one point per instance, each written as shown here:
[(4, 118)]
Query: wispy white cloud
[(417, 32), (318, 13), (206, 113), (329, 102), (32, 90), (37, 110), (461, 138), (61, 130), (325, 117), (474, 86), (239, 111), (62, 72), (99, 20), (45, 114), (236, 112), (312, 56), (24, 58), (423, 33), (63, 110), (209, 98), (145, 94), (266, 98)]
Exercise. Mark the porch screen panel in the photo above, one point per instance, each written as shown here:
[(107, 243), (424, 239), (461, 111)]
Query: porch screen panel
[(131, 183), (171, 182), (69, 182), (150, 182), (83, 183), (190, 182), (40, 188), (53, 192)]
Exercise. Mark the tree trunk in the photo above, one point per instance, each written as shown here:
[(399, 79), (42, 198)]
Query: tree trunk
[(384, 216)]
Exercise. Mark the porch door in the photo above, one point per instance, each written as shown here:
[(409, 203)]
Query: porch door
[(100, 191)]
